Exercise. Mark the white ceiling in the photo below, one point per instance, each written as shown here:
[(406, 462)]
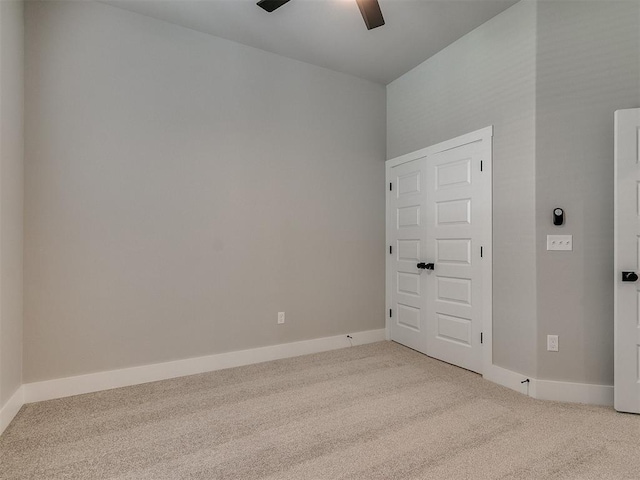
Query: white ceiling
[(331, 33)]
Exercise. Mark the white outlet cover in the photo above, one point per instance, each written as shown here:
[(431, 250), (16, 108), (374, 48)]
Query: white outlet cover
[(280, 317), (552, 343), (559, 242)]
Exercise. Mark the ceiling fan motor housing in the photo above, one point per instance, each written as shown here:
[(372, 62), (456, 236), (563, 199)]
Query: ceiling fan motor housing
[(370, 10)]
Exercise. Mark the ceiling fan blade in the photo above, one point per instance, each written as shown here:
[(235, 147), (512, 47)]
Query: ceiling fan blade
[(371, 13), (271, 5)]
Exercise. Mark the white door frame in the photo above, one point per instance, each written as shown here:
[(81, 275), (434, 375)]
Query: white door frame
[(482, 135), (625, 304)]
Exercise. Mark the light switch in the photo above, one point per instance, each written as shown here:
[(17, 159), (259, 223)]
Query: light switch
[(559, 242)]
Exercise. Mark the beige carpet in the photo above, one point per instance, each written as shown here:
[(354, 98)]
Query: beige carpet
[(378, 411)]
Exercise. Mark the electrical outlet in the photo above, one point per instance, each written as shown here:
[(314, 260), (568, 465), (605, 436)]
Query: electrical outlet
[(552, 343), (280, 317)]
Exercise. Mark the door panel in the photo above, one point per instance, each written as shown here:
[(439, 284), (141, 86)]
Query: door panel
[(454, 329), (627, 259), (454, 299), (456, 290), (453, 212), (407, 236), (453, 251)]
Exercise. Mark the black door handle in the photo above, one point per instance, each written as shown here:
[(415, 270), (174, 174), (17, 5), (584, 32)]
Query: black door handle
[(629, 276), (426, 266)]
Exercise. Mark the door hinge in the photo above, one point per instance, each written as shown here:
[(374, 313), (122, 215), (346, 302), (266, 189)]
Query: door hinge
[(481, 165), (390, 313), (390, 249), (481, 338), (390, 186), (481, 252)]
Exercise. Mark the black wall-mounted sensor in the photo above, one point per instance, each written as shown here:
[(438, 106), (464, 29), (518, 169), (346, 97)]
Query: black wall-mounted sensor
[(558, 216)]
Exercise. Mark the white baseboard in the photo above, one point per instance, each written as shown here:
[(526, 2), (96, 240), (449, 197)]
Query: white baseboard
[(512, 380), (575, 392), (552, 390), (11, 408), (94, 382)]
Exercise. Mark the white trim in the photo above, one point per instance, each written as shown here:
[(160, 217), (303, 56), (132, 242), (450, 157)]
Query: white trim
[(487, 243), (11, 409), (388, 266), (65, 387), (476, 136), (512, 380), (616, 253), (575, 392), (94, 382), (552, 390)]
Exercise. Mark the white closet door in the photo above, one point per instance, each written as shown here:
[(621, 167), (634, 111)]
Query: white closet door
[(407, 234), (454, 232), (439, 233)]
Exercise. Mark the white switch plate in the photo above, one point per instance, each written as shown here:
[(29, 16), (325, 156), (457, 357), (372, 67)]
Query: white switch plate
[(559, 242)]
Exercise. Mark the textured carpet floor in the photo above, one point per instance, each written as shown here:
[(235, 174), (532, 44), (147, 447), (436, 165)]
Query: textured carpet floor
[(371, 412)]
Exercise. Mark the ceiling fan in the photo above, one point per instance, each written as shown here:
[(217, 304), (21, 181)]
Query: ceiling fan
[(370, 10)]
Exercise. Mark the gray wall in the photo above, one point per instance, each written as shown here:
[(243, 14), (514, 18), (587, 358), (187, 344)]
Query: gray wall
[(182, 189), (588, 66), (572, 65), (11, 193), (487, 78)]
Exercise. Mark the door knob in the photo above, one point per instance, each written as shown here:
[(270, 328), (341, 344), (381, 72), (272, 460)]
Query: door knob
[(629, 276), (428, 266)]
